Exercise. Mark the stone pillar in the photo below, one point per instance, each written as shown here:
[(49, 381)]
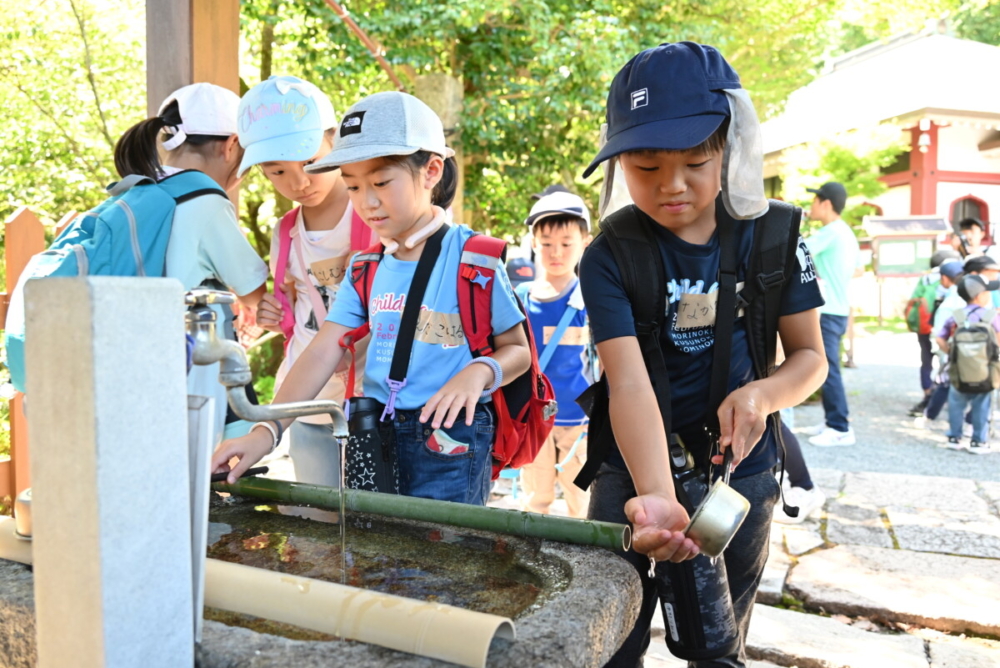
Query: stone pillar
[(109, 466)]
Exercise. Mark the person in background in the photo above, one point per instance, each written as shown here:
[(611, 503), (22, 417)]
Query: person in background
[(835, 249), (560, 227), (971, 234), (946, 303)]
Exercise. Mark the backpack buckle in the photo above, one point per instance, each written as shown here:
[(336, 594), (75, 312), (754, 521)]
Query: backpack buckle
[(475, 276), (773, 280)]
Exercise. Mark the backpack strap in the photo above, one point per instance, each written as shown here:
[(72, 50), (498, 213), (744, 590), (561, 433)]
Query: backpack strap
[(362, 236), (410, 319), (127, 182), (772, 260), (637, 255), (960, 317), (725, 314), (280, 267), (553, 344), (187, 185), (362, 277), (477, 269)]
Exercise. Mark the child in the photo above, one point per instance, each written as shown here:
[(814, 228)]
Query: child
[(669, 110), (976, 293), (560, 228), (286, 123), (197, 126), (391, 150)]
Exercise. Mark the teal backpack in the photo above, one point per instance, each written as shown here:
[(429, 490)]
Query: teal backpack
[(126, 235)]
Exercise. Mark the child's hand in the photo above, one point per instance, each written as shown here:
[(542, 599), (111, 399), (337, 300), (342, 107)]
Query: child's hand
[(250, 449), (462, 391), (270, 313), (658, 528), (742, 421)]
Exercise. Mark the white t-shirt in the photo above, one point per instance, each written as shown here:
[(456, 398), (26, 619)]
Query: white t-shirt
[(206, 243), (326, 257)]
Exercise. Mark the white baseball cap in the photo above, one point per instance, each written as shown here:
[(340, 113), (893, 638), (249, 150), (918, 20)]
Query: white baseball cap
[(558, 204), (206, 109), (283, 118), (383, 124)]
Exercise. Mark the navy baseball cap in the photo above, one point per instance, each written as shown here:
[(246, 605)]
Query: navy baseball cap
[(670, 97), (835, 192)]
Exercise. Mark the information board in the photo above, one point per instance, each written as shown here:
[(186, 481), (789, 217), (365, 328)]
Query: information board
[(902, 256)]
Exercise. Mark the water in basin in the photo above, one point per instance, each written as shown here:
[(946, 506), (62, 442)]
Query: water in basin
[(495, 575)]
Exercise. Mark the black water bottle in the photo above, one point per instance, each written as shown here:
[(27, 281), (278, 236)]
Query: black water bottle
[(694, 594), (371, 462)]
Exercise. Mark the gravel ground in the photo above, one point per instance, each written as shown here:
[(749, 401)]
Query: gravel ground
[(885, 384)]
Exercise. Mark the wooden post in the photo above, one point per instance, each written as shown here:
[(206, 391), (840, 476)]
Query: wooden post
[(25, 236), (189, 41)]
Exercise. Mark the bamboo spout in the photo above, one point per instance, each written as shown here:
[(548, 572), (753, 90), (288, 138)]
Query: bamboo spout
[(517, 523)]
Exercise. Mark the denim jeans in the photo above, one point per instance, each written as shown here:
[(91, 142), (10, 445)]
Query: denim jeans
[(745, 558), (926, 361), (454, 465), (834, 397), (957, 402)]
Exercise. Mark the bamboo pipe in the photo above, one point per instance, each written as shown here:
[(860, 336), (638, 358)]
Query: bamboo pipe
[(517, 523), (417, 627), (428, 629)]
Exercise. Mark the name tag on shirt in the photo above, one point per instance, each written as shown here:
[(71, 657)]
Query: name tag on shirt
[(698, 310), (573, 336), (329, 272), (443, 329)]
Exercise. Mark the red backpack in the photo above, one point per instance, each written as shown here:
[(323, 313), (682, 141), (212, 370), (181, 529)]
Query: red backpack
[(525, 407)]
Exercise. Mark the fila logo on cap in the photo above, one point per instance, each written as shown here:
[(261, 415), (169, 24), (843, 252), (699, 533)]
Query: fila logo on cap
[(640, 98), (352, 124)]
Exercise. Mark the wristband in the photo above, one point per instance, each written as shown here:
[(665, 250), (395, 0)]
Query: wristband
[(497, 374), (274, 433)]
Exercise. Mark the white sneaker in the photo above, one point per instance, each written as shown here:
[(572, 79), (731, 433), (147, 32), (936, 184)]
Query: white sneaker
[(807, 500), (977, 448), (814, 430), (830, 437)]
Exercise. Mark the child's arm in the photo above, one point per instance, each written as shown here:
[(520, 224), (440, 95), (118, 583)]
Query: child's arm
[(743, 414), (307, 377), (466, 387), (658, 518)]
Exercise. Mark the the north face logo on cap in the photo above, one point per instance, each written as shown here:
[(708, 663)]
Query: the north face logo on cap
[(352, 124), (640, 98)]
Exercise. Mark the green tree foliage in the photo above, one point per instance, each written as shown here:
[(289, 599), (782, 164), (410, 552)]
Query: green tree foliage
[(979, 20), (74, 78)]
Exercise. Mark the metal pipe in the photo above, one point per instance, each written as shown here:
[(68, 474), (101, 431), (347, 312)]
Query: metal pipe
[(608, 535), (247, 411)]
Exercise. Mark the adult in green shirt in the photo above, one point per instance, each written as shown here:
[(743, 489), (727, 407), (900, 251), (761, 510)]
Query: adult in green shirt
[(834, 249)]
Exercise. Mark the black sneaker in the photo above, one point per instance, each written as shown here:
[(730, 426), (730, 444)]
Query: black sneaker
[(918, 409)]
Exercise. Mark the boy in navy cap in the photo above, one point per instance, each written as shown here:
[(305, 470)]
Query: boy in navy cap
[(686, 139)]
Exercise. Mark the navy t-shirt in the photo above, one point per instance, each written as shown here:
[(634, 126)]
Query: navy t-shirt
[(687, 343)]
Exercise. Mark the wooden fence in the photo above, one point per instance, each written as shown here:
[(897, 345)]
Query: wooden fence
[(24, 237)]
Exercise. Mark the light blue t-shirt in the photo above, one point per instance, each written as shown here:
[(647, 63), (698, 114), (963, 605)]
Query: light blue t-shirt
[(834, 250), (440, 349)]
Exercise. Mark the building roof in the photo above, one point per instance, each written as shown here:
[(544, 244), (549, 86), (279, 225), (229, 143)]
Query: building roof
[(909, 77)]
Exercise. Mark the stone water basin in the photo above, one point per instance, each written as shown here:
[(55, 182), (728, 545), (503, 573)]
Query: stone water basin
[(572, 606)]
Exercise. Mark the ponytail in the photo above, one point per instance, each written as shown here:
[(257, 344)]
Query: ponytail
[(135, 152), (444, 192)]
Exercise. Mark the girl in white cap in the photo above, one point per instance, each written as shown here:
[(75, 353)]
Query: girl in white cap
[(401, 176), (196, 127)]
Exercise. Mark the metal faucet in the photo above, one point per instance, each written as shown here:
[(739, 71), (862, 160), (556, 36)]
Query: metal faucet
[(234, 370)]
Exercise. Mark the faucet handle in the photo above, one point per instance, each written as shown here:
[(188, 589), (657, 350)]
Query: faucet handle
[(204, 297)]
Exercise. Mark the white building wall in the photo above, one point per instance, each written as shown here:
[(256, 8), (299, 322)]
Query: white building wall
[(958, 150), (895, 201)]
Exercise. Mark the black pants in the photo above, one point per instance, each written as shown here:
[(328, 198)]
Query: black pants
[(745, 558), (795, 463)]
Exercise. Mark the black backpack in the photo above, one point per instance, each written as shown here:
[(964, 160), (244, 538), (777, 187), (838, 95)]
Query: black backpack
[(637, 255)]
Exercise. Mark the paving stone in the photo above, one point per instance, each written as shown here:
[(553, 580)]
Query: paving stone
[(810, 641), (992, 492), (828, 480), (965, 653), (948, 533), (881, 490), (772, 583), (801, 538), (856, 524), (947, 593)]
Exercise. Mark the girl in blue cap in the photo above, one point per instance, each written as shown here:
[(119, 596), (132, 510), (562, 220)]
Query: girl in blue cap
[(686, 141)]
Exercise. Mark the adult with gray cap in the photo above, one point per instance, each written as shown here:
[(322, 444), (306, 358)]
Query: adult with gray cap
[(835, 251), (975, 290)]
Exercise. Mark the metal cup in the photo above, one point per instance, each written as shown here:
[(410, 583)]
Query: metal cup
[(719, 516), (22, 515)]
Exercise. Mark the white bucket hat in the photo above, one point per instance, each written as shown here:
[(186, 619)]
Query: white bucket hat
[(384, 124), (558, 204)]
